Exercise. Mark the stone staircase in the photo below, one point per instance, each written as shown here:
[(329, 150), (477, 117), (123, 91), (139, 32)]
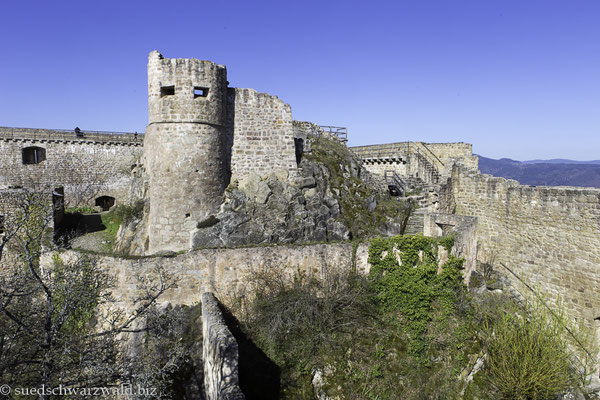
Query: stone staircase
[(416, 221)]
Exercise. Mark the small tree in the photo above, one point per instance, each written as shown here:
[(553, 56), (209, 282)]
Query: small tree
[(59, 323)]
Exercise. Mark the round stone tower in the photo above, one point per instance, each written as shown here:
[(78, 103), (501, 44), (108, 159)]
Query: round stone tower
[(184, 151)]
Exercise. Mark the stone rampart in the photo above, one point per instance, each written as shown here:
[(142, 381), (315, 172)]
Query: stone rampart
[(548, 236), (384, 157), (88, 165), (220, 354), (223, 271)]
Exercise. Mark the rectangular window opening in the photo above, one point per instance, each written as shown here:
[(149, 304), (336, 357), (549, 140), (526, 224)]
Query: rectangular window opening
[(1, 225), (33, 155), (167, 91), (200, 91)]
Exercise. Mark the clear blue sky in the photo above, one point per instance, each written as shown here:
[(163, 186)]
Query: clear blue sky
[(518, 79)]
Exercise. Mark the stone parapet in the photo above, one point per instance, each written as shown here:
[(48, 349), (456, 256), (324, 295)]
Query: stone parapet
[(220, 354), (186, 90), (464, 230), (70, 136)]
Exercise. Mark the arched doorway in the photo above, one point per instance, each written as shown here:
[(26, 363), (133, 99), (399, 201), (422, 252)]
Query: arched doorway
[(105, 202)]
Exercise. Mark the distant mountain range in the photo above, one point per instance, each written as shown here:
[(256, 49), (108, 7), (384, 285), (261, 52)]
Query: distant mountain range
[(557, 161), (555, 172)]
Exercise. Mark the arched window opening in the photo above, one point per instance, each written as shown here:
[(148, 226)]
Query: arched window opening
[(105, 202), (33, 155)]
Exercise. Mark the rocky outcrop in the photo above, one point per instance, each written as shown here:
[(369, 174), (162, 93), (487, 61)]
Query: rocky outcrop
[(273, 210)]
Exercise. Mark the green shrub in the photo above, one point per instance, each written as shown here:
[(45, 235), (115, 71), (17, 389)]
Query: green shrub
[(80, 210), (127, 213), (303, 323), (285, 314), (409, 331), (528, 354), (397, 334)]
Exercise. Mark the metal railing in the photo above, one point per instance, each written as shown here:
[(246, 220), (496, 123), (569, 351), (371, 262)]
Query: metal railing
[(68, 134), (393, 150), (429, 168), (339, 131), (395, 184)]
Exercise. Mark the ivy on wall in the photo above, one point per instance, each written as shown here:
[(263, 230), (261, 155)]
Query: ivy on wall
[(407, 280)]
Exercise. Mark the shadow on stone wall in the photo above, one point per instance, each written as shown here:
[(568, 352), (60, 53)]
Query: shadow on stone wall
[(259, 375), (76, 224)]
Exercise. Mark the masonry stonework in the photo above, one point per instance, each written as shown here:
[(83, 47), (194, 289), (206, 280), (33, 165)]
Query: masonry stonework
[(201, 134), (263, 137), (454, 153), (88, 165)]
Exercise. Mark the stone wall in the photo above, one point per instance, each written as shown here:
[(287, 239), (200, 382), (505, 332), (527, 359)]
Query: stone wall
[(377, 167), (220, 354), (88, 166), (548, 236), (186, 181), (263, 136), (305, 129), (309, 130), (377, 159), (223, 271)]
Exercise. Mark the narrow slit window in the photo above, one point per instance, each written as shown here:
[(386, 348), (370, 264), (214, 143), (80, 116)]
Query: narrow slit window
[(33, 155), (167, 91), (200, 91), (1, 225)]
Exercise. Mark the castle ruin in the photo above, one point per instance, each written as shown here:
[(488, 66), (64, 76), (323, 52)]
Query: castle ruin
[(204, 138)]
